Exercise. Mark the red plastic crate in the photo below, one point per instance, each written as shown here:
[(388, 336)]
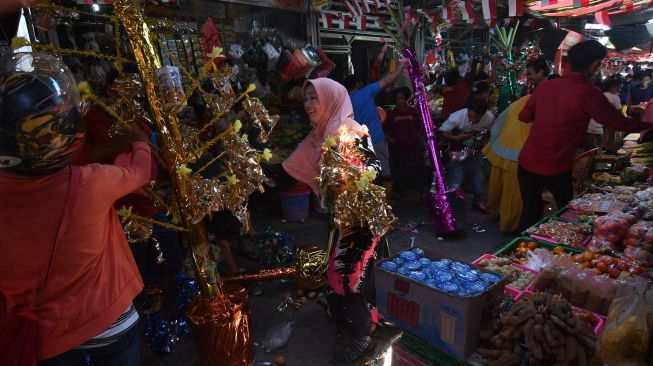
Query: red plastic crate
[(513, 292), (599, 318)]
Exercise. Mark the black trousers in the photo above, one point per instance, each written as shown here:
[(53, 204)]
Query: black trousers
[(532, 185)]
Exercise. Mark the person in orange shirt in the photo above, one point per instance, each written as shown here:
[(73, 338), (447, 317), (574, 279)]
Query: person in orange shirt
[(74, 255)]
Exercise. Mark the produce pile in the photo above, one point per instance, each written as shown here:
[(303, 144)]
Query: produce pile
[(539, 329), (520, 254), (622, 232), (583, 288), (641, 154), (604, 264), (565, 233), (517, 278)]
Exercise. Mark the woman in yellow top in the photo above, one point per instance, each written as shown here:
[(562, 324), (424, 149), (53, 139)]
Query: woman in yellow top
[(507, 136)]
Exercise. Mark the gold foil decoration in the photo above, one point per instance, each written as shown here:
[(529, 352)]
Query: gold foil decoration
[(129, 104), (143, 44), (243, 175), (363, 202), (312, 264), (261, 275), (260, 117), (220, 328), (190, 143), (136, 231)]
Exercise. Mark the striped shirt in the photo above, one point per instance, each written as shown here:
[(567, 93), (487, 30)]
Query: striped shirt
[(121, 326)]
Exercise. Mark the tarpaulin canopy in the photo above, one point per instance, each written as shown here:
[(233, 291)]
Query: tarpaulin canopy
[(629, 36)]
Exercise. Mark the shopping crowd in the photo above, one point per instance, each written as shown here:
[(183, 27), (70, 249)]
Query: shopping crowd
[(70, 281)]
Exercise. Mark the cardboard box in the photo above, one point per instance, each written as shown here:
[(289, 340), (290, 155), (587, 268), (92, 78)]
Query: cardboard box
[(449, 323), (401, 357)]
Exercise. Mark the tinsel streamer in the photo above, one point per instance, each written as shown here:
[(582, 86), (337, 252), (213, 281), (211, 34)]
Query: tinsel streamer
[(220, 328), (244, 175), (362, 202), (260, 118), (441, 209), (312, 264), (159, 201), (162, 335), (267, 274), (135, 231), (147, 60), (53, 49), (209, 163), (275, 248)]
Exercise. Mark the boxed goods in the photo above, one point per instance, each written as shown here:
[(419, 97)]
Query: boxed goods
[(440, 300)]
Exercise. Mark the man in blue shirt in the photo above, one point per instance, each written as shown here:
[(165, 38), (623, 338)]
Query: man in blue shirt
[(365, 112)]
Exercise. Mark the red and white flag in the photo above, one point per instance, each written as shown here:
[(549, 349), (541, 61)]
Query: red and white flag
[(366, 7), (489, 9), (361, 23), (602, 17), (491, 22), (327, 20), (549, 2), (344, 24), (466, 9), (378, 4), (429, 18), (350, 8), (581, 3), (515, 8), (445, 13)]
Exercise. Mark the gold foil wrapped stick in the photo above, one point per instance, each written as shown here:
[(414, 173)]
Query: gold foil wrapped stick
[(260, 117), (262, 275), (220, 328), (312, 264)]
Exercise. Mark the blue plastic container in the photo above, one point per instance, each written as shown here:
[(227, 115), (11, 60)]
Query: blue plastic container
[(295, 203)]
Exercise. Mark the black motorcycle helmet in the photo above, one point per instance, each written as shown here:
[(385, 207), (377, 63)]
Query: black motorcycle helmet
[(41, 130)]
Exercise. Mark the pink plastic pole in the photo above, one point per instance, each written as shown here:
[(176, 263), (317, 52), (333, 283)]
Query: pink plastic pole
[(442, 214)]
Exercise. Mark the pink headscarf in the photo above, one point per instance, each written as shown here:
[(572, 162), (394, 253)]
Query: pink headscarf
[(336, 110)]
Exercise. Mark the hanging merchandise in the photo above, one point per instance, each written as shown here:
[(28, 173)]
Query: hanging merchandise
[(325, 68), (303, 64), (272, 54), (289, 66), (212, 44), (313, 59), (236, 51)]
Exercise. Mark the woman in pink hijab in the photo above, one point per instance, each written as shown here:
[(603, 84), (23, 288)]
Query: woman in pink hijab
[(328, 107)]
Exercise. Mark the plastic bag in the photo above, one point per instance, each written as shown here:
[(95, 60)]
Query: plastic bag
[(581, 287), (642, 256), (539, 258), (613, 226), (547, 278), (597, 245), (278, 336), (640, 234), (627, 334)]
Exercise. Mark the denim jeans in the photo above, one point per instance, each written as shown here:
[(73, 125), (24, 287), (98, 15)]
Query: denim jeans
[(470, 170), (123, 352)]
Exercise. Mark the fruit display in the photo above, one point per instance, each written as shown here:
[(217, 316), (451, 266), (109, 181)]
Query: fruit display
[(610, 229), (520, 253), (517, 278), (539, 329), (604, 264), (565, 233)]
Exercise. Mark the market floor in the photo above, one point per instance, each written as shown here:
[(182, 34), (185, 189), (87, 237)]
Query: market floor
[(312, 341)]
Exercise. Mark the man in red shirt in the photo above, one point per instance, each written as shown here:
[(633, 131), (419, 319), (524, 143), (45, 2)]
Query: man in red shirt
[(560, 111)]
